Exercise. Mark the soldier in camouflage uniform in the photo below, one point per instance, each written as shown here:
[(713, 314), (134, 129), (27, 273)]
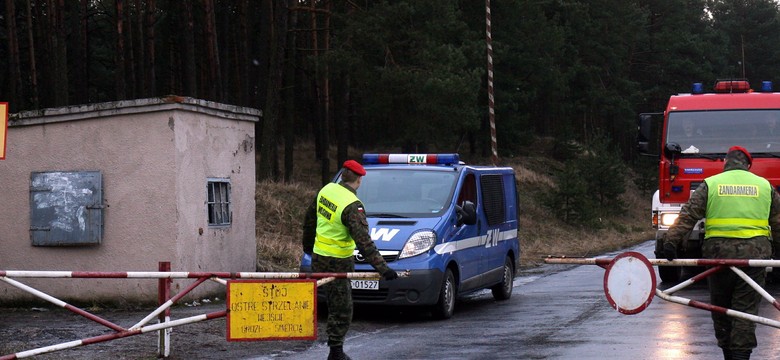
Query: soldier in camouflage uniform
[(331, 239), (742, 213)]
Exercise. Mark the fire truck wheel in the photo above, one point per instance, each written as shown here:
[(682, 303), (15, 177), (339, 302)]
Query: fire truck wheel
[(445, 307), (670, 274)]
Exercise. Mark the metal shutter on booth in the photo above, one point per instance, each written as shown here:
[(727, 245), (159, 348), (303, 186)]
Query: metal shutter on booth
[(66, 208)]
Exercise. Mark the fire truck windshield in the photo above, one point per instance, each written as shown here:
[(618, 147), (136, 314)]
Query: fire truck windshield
[(713, 132)]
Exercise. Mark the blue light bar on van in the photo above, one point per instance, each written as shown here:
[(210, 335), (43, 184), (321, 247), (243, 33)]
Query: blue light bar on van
[(440, 159), (697, 88), (766, 86)]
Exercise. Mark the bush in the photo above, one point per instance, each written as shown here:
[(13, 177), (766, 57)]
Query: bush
[(590, 186)]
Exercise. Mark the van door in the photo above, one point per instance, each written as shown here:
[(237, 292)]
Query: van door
[(471, 237), (493, 214)]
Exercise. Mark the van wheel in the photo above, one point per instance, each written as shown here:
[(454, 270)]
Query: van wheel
[(503, 291), (445, 307)]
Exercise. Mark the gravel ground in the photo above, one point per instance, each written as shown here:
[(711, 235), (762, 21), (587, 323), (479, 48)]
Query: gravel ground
[(33, 327)]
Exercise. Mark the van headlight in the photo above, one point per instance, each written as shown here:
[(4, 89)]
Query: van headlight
[(420, 242)]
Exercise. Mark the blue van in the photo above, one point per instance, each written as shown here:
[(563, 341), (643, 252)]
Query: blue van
[(452, 226)]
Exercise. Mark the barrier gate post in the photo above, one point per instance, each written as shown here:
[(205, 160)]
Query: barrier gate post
[(163, 295)]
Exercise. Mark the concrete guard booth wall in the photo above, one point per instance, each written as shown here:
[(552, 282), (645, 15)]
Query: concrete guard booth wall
[(155, 157)]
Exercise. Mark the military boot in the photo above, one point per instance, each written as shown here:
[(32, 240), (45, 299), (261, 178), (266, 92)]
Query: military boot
[(727, 354), (740, 354), (337, 353)]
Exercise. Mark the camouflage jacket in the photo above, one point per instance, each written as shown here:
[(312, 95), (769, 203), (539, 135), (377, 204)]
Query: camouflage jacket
[(696, 209), (354, 218)]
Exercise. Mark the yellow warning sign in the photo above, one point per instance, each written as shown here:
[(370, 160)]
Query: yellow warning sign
[(271, 310), (3, 127)]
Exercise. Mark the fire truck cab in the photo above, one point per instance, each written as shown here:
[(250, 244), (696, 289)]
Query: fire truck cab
[(693, 135)]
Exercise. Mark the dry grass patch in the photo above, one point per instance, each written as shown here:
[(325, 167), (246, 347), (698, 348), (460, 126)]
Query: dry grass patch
[(280, 211)]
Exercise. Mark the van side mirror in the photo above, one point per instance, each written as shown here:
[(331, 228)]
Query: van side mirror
[(467, 214)]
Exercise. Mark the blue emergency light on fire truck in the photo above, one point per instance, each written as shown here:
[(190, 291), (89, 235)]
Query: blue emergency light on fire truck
[(452, 226), (690, 139)]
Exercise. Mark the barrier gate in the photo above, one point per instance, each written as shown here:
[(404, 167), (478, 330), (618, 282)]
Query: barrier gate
[(165, 277), (630, 282)]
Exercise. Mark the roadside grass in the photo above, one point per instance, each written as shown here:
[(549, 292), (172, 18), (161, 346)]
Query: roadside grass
[(280, 209)]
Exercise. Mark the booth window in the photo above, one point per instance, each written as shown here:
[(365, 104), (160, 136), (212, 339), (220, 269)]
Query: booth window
[(218, 203)]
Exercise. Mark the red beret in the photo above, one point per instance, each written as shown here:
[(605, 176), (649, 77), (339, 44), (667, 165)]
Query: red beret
[(355, 167), (744, 151)]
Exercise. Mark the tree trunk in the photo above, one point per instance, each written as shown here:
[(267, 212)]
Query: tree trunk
[(327, 108), (268, 162), (242, 56), (189, 81), (342, 116), (60, 54), (133, 80), (289, 81), (323, 133), (15, 73), (212, 53), (342, 121), (119, 74), (82, 57), (138, 69), (33, 69), (149, 76)]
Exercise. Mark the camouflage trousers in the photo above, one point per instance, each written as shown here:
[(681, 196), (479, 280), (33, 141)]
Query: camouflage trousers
[(339, 296), (728, 290)]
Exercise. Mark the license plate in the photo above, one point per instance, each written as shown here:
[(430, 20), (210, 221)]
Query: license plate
[(365, 284)]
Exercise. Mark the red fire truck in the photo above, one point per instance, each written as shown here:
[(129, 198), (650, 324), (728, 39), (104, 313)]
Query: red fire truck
[(693, 135)]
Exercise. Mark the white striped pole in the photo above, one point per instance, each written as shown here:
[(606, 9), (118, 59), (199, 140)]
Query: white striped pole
[(491, 100)]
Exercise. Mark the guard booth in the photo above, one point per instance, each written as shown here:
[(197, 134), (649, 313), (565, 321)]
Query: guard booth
[(122, 186)]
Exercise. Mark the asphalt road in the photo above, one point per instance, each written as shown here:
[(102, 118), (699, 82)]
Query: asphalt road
[(556, 312)]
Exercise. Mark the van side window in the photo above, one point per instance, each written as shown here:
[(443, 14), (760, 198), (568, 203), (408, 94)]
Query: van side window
[(469, 190), (493, 198)]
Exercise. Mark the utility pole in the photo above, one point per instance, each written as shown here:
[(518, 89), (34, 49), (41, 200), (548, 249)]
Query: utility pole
[(491, 100)]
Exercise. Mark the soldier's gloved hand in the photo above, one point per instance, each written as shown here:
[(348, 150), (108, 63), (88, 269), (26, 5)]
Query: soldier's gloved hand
[(390, 274), (670, 251)]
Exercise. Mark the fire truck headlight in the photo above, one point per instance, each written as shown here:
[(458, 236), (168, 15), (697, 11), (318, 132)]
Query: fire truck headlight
[(668, 219), (418, 243)]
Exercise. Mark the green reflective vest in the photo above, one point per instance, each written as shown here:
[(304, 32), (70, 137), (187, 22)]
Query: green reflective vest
[(333, 238), (738, 203)]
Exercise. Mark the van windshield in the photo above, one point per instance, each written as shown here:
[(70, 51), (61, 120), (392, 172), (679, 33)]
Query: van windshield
[(714, 132), (406, 192)]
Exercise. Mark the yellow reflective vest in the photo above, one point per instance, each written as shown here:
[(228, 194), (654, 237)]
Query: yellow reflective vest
[(738, 203), (333, 238)]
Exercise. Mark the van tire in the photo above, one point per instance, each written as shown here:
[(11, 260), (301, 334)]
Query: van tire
[(503, 290), (445, 307)]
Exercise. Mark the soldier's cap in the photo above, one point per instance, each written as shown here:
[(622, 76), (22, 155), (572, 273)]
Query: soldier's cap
[(355, 167), (744, 157)]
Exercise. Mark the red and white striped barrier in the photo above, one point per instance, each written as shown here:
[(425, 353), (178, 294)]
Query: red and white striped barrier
[(635, 287), (162, 312)]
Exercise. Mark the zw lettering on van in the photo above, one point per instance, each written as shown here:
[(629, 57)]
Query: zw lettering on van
[(491, 238), (384, 234)]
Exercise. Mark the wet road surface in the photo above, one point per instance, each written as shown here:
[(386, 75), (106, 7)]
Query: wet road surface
[(556, 312)]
